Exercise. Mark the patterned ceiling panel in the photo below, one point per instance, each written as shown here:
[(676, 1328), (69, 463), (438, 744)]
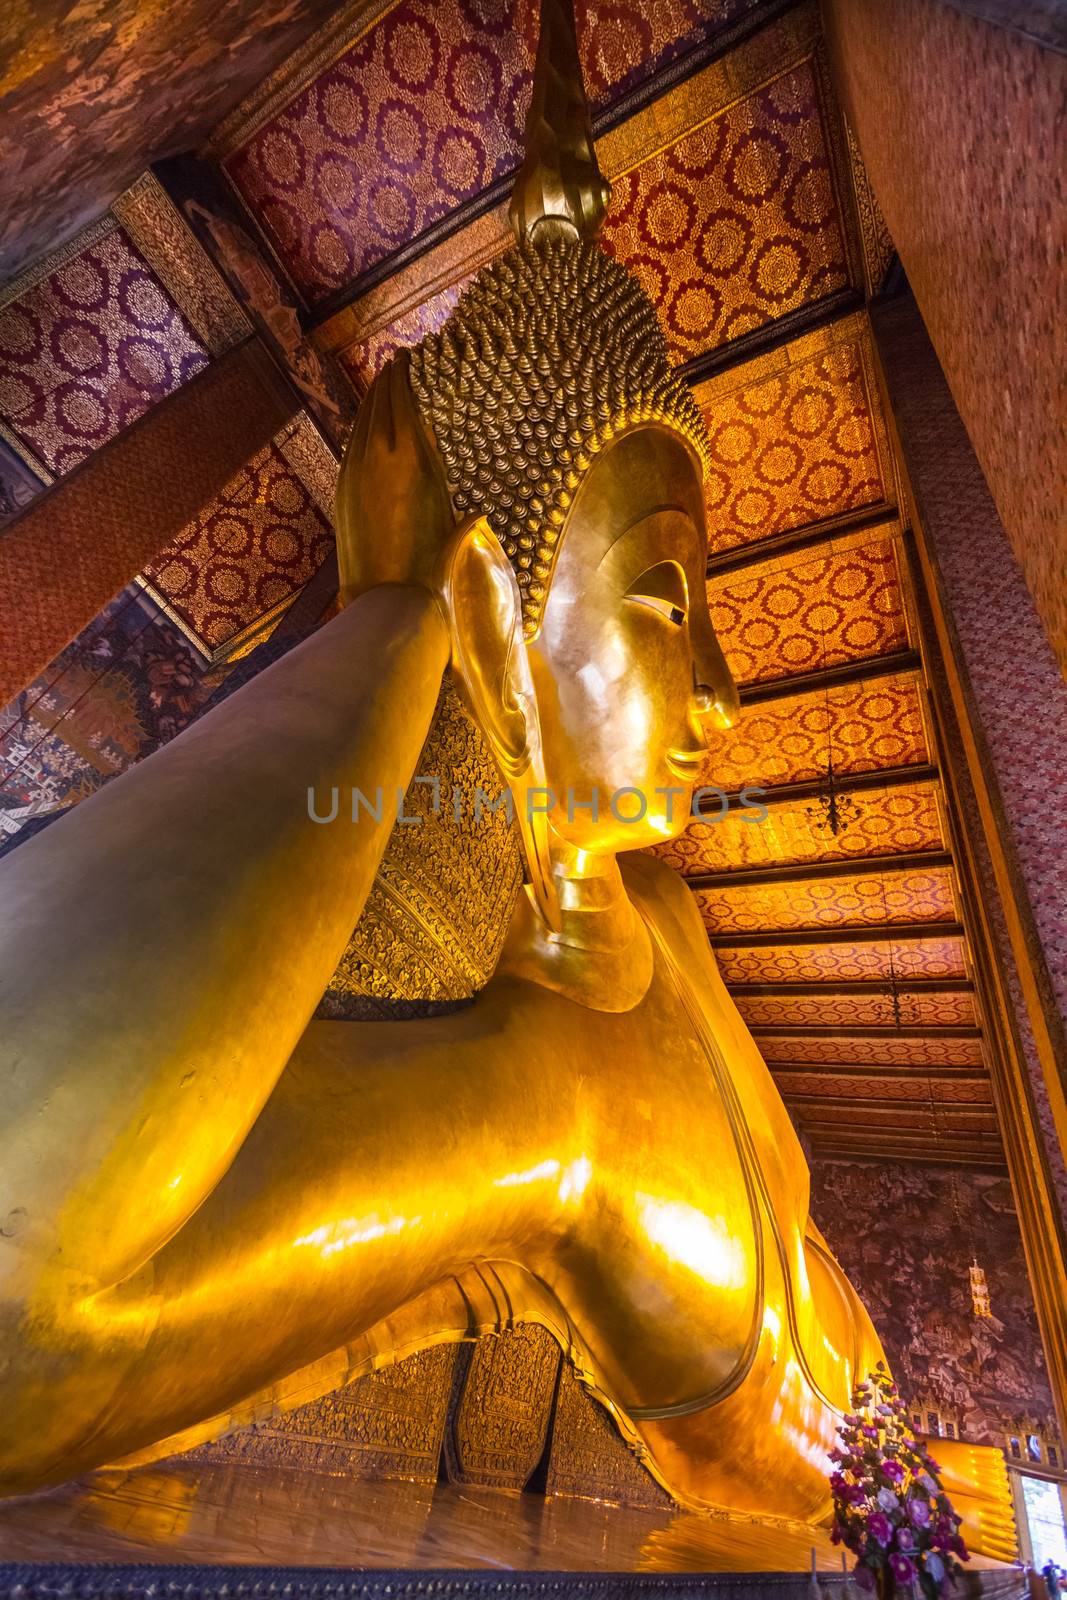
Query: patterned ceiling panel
[(254, 547), (796, 436), (831, 903), (917, 1010), (863, 725), (843, 963), (425, 111), (87, 347), (736, 223), (787, 616), (892, 1051), (890, 822)]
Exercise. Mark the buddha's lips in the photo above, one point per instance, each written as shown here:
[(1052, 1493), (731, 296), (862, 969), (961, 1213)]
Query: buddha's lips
[(686, 764)]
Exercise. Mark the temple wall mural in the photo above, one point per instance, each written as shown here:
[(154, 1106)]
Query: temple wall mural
[(907, 1237)]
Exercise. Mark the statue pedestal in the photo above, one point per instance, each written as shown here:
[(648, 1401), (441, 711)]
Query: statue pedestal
[(195, 1529)]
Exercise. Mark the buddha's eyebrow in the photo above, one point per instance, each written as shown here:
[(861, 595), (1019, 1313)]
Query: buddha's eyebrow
[(640, 520)]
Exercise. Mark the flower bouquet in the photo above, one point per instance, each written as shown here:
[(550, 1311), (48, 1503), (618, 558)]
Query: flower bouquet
[(889, 1507)]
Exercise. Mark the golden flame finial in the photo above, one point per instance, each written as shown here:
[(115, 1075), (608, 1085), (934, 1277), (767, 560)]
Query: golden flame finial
[(560, 190)]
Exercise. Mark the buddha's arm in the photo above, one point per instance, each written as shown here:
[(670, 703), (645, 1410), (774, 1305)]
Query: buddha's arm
[(163, 947)]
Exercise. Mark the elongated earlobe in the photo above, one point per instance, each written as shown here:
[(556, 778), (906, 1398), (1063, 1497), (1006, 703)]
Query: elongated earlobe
[(492, 672)]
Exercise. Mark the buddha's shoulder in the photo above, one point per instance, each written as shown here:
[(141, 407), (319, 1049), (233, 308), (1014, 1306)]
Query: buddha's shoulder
[(665, 898)]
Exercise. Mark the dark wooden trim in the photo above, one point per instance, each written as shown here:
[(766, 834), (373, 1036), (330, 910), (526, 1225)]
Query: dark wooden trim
[(812, 1030), (906, 1108), (893, 1074), (836, 1154), (814, 871), (754, 694), (802, 538), (871, 933), (761, 341), (909, 1132), (782, 991), (778, 794)]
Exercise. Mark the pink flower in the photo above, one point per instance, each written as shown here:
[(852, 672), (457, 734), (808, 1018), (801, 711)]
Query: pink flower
[(902, 1568), (879, 1527)]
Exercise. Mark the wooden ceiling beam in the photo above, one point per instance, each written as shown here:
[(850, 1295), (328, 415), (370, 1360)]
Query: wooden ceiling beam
[(950, 1030), (820, 871), (897, 1072), (866, 933), (738, 557), (808, 318), (838, 986), (717, 805), (838, 1153), (848, 672)]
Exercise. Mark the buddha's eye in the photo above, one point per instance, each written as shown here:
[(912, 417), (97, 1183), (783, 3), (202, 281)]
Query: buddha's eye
[(662, 588)]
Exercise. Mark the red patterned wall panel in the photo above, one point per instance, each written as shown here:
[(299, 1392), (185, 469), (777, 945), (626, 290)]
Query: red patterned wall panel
[(845, 962), (831, 902), (892, 822), (863, 725), (421, 114), (788, 616), (88, 349), (735, 224), (791, 447)]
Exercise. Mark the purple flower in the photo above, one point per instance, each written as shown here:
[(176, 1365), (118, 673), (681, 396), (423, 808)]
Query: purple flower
[(905, 1538), (879, 1527), (887, 1500), (934, 1566), (902, 1568), (869, 1432), (919, 1512), (835, 1532), (893, 1471)]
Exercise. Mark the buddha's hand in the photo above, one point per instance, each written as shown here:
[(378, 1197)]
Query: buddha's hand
[(394, 516)]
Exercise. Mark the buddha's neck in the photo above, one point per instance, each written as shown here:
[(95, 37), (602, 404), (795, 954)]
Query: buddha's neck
[(602, 954)]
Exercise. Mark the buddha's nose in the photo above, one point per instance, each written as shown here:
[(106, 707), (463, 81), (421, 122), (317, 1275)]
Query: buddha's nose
[(714, 702)]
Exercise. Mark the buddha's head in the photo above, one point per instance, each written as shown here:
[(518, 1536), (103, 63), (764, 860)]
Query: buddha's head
[(574, 460), (560, 423)]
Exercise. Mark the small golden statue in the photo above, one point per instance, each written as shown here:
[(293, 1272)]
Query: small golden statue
[(203, 1191)]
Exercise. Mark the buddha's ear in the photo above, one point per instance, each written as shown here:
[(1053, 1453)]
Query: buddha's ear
[(488, 651), (492, 669)]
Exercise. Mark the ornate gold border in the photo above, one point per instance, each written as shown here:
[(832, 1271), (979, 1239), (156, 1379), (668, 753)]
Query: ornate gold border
[(774, 50), (82, 240), (180, 262), (275, 92), (26, 455), (878, 246)]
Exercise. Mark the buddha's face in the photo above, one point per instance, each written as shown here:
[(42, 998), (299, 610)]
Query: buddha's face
[(628, 675)]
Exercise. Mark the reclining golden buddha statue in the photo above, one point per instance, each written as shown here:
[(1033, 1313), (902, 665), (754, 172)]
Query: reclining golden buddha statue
[(204, 1190)]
